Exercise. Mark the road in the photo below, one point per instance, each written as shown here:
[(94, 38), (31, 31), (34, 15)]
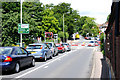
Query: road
[(73, 64)]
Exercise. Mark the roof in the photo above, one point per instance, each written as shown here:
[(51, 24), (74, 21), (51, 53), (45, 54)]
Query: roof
[(115, 0), (37, 44)]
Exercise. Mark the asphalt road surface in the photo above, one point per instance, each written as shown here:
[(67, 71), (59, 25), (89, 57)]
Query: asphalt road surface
[(73, 64)]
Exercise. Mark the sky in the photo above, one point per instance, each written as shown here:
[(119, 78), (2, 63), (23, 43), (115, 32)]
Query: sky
[(99, 9)]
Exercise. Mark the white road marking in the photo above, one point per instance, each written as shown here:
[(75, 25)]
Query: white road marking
[(44, 65), (59, 59)]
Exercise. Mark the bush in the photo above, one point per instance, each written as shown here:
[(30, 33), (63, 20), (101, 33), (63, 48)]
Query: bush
[(59, 39), (102, 43)]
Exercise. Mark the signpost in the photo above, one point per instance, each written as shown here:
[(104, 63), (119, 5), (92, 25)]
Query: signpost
[(55, 37), (23, 29)]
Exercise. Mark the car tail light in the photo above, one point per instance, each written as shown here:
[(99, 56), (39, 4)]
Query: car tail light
[(96, 44), (89, 45), (41, 47), (67, 46), (83, 44), (60, 48), (8, 59), (40, 57)]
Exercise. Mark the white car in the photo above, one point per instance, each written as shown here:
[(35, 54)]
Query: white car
[(91, 43)]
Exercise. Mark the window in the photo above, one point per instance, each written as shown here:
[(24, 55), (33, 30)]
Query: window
[(20, 51), (23, 51), (46, 47), (17, 51), (5, 50), (34, 47)]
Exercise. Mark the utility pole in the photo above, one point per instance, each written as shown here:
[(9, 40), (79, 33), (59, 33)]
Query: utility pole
[(21, 24), (63, 27)]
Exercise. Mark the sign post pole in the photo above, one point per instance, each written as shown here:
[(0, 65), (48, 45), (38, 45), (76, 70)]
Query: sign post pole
[(21, 24)]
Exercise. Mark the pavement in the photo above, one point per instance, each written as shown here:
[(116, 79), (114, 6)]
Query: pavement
[(100, 67)]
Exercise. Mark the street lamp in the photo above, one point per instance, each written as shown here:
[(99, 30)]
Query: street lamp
[(21, 24), (63, 27)]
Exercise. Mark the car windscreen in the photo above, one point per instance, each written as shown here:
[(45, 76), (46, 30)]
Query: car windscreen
[(64, 44), (91, 41), (49, 44), (5, 51), (57, 45), (34, 47), (96, 42)]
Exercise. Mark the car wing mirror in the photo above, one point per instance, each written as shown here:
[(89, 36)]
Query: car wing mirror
[(29, 53)]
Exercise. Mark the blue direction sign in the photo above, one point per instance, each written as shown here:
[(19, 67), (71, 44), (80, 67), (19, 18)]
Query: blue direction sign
[(23, 29)]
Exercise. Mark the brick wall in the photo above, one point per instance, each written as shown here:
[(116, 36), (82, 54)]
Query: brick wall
[(118, 57), (114, 53)]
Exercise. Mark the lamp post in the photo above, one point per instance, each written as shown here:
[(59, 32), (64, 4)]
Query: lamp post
[(21, 24), (63, 27)]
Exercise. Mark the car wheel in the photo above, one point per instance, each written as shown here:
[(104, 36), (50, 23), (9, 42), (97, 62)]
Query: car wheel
[(33, 62), (17, 67), (54, 54), (45, 58), (51, 57), (57, 54)]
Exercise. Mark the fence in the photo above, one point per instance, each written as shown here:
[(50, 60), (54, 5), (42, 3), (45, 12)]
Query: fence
[(112, 44)]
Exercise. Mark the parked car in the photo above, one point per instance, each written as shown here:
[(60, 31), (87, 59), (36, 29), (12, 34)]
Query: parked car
[(60, 47), (14, 58), (74, 44), (39, 51), (67, 46), (99, 41), (96, 43), (88, 38), (91, 43), (53, 48)]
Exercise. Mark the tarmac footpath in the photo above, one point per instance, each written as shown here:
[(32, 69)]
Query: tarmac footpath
[(100, 67)]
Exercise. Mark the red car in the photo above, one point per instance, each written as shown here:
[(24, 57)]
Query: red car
[(60, 47)]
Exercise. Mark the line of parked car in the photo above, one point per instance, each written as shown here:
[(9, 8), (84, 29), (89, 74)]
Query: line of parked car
[(93, 43), (14, 58)]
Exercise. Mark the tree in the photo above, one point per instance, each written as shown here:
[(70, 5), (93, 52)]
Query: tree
[(108, 17), (71, 17), (49, 22), (10, 20), (89, 26)]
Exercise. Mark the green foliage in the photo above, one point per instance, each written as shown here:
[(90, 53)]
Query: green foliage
[(102, 42), (43, 18), (49, 22), (108, 17), (66, 35), (60, 34), (59, 39), (89, 26)]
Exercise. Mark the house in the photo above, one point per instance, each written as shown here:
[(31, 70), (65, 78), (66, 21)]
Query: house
[(112, 44)]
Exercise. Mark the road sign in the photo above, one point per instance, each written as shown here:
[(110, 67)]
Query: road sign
[(48, 34), (55, 36), (24, 28)]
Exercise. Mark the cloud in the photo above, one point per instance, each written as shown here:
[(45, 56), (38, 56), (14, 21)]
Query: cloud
[(98, 9)]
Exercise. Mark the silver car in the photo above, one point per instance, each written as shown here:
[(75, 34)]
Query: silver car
[(67, 46), (39, 51), (53, 48)]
